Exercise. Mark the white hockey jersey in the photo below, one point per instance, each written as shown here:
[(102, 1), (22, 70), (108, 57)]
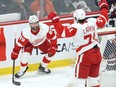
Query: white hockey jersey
[(35, 40), (90, 35)]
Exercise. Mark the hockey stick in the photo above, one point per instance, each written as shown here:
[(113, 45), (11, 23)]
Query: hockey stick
[(13, 70)]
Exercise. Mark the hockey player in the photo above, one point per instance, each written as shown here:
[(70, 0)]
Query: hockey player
[(88, 51), (113, 10), (37, 35), (112, 14)]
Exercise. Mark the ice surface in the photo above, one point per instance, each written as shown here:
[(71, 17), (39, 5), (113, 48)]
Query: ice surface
[(59, 77)]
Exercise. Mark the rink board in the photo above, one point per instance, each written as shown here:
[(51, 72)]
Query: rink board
[(34, 67)]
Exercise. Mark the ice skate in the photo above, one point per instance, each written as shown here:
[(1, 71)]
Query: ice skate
[(21, 73), (43, 70)]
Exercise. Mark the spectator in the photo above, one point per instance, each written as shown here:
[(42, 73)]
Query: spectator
[(63, 6), (111, 1), (3, 6), (60, 6), (27, 6), (18, 6), (79, 4), (42, 7), (110, 54), (113, 10), (68, 6), (112, 14)]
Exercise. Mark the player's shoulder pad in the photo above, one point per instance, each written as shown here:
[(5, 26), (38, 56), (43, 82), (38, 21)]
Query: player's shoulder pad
[(26, 31), (44, 27), (92, 20), (74, 25)]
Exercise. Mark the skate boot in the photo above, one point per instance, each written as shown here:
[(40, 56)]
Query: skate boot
[(21, 73), (43, 70)]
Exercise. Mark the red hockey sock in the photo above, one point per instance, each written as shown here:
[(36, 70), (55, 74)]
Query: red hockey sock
[(96, 86), (45, 60)]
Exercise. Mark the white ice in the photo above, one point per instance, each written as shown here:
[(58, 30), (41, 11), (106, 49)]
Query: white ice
[(59, 77)]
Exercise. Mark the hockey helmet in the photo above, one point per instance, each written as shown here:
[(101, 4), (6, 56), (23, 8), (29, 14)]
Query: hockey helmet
[(79, 14), (33, 18)]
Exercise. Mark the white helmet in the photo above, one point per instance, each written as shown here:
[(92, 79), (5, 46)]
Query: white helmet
[(33, 18), (79, 14)]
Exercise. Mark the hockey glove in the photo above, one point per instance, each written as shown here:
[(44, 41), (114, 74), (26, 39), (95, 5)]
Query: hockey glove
[(54, 17), (14, 54), (51, 35), (103, 4)]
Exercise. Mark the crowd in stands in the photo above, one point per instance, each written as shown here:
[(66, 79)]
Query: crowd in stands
[(42, 8)]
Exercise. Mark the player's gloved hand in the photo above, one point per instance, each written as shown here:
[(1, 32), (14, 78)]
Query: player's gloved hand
[(51, 35), (53, 16), (14, 54), (103, 4)]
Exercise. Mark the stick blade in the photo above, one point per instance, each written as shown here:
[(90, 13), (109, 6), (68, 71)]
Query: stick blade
[(16, 83)]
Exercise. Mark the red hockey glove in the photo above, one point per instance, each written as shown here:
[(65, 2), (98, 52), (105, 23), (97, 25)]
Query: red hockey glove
[(53, 16), (103, 4), (51, 35), (14, 54)]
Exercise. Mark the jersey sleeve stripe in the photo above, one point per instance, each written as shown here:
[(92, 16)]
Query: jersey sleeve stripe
[(104, 18)]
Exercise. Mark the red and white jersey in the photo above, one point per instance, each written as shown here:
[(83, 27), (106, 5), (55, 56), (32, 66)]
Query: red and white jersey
[(84, 35), (90, 35), (90, 31), (78, 35), (35, 39)]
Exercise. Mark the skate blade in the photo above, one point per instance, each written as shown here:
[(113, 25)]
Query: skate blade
[(40, 72)]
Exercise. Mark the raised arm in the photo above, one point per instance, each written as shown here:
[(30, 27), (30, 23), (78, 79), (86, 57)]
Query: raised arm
[(103, 18), (62, 31), (57, 25)]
